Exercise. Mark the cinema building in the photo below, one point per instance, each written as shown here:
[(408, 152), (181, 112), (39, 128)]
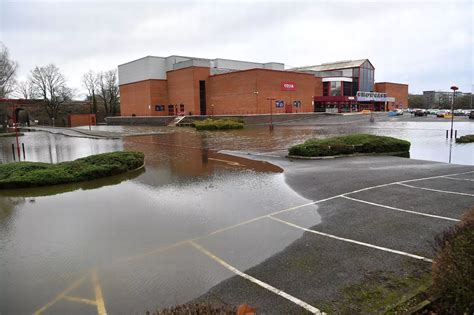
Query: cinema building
[(177, 85)]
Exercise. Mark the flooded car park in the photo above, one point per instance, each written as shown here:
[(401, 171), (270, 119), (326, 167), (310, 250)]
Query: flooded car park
[(127, 243)]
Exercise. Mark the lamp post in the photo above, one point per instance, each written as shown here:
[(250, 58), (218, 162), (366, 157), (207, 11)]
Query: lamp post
[(454, 88), (90, 116), (271, 99), (15, 122)]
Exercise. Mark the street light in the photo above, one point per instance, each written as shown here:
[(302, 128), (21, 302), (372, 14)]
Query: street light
[(454, 88), (271, 99)]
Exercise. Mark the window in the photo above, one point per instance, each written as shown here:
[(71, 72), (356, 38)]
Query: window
[(325, 88), (159, 108), (356, 72), (335, 88), (347, 88)]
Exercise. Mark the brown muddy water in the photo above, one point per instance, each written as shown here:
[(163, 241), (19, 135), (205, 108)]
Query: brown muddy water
[(123, 236)]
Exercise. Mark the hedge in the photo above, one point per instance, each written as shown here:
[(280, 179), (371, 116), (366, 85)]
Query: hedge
[(465, 139), (218, 124), (34, 174), (351, 144), (453, 268)]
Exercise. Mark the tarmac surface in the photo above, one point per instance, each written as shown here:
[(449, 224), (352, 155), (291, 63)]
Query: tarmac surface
[(366, 221), (350, 217)]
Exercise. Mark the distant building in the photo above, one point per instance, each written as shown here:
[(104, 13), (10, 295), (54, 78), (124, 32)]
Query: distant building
[(439, 99), (174, 85)]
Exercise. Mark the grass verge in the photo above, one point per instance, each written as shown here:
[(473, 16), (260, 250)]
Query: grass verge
[(380, 293), (351, 144), (218, 124), (465, 139), (34, 174)]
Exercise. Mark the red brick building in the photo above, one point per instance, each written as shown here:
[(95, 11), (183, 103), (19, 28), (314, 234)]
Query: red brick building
[(176, 85)]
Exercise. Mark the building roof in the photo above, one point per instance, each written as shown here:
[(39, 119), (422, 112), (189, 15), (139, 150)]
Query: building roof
[(333, 65)]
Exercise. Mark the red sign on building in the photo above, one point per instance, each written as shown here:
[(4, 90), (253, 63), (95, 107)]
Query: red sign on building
[(288, 86)]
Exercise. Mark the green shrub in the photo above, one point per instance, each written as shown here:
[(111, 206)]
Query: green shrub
[(33, 174), (465, 139), (453, 268), (218, 124), (356, 143)]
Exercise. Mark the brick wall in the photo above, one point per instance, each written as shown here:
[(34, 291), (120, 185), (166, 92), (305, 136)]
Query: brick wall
[(235, 93), (76, 120), (140, 98), (397, 90), (183, 87), (229, 93)]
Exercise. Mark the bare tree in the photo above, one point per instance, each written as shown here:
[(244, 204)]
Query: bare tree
[(90, 80), (109, 91), (7, 72), (25, 90), (50, 85)]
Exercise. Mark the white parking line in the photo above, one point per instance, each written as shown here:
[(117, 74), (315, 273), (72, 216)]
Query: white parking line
[(433, 177), (466, 179), (437, 190), (264, 285), (353, 241), (401, 210)]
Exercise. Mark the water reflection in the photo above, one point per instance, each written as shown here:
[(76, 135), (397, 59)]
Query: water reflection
[(187, 190), (59, 189), (54, 148)]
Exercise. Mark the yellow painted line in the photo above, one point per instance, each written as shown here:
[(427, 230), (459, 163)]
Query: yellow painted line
[(99, 299), (225, 161), (264, 285), (79, 300), (61, 295)]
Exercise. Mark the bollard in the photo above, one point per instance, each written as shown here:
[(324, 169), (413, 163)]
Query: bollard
[(13, 151), (446, 134), (23, 147), (455, 134)]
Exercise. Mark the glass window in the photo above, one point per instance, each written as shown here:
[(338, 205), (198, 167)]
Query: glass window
[(325, 88), (347, 88), (336, 88), (356, 72)]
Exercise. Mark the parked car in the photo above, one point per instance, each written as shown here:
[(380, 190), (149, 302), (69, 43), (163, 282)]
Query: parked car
[(419, 112), (471, 115), (440, 114)]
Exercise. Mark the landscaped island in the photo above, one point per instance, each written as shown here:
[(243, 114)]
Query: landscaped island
[(351, 144), (34, 174), (465, 139), (218, 124)]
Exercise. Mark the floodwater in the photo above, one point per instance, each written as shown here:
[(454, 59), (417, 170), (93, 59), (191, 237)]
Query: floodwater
[(127, 236)]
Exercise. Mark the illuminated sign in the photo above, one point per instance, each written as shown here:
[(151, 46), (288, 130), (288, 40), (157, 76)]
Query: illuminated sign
[(288, 86)]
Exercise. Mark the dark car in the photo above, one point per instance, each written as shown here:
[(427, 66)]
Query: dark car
[(471, 115), (419, 112)]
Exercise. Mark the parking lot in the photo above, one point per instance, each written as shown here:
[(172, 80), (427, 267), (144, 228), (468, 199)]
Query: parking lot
[(363, 215)]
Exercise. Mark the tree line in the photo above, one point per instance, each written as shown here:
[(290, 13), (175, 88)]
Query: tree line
[(460, 102), (48, 84)]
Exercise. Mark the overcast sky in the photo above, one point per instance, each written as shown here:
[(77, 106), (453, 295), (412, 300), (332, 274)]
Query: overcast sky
[(427, 44)]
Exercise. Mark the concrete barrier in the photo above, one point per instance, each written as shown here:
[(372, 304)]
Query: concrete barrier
[(248, 119), (140, 120)]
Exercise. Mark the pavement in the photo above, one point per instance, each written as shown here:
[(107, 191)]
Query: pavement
[(368, 215)]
